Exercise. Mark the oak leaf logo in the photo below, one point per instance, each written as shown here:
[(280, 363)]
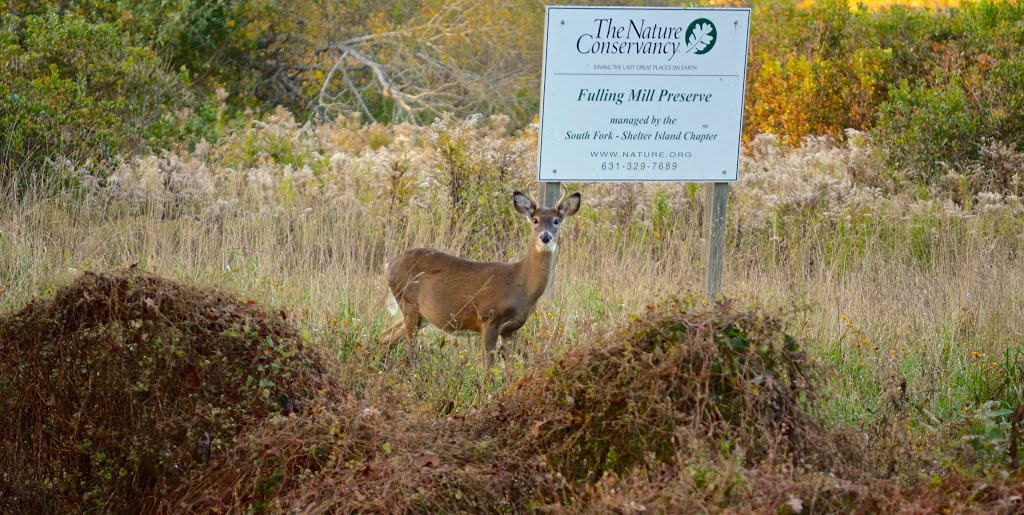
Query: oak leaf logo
[(701, 36)]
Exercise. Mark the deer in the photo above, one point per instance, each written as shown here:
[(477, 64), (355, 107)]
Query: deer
[(457, 295)]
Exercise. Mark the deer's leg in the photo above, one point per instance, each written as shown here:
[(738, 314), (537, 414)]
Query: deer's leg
[(412, 321), (509, 339), (393, 334), (489, 339), (405, 327)]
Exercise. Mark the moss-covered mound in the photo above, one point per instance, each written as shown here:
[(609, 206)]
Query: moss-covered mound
[(120, 385)]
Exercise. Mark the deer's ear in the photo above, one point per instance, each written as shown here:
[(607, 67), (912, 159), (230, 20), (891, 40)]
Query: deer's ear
[(524, 204), (569, 205)]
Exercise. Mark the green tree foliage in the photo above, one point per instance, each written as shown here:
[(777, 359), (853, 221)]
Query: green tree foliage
[(936, 86), (73, 89), (969, 95), (217, 41)]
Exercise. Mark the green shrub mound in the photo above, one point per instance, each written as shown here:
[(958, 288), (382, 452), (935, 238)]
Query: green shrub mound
[(121, 384)]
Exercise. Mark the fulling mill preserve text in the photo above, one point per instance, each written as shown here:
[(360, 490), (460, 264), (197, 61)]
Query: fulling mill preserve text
[(635, 38)]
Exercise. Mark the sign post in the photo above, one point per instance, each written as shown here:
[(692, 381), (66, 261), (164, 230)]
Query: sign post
[(646, 95), (714, 236), (550, 192)]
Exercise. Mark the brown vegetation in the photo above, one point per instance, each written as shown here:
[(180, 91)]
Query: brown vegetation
[(129, 391), (119, 385)]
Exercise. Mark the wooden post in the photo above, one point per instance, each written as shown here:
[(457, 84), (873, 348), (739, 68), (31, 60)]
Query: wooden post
[(714, 236), (550, 192)]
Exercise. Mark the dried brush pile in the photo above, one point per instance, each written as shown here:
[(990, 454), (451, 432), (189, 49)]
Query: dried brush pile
[(120, 385), (360, 456), (674, 380), (125, 392), (677, 381)]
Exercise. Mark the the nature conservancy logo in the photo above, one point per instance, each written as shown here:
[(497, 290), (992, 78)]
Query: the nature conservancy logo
[(701, 36), (641, 37)]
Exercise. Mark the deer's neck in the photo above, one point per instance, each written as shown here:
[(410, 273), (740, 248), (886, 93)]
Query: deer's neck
[(535, 270)]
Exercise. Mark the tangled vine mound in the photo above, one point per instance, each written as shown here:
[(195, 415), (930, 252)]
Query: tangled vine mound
[(678, 378), (676, 382), (127, 392), (121, 384)]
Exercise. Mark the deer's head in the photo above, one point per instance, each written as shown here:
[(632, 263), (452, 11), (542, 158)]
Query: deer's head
[(546, 221)]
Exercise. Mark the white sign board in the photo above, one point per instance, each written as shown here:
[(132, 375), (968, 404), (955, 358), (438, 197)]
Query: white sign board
[(642, 94)]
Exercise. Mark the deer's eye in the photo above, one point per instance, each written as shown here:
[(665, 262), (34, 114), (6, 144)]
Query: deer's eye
[(535, 221), (557, 221)]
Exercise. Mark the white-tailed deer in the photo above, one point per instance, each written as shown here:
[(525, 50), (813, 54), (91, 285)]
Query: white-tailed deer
[(458, 295)]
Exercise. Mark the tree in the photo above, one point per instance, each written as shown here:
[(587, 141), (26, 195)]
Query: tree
[(414, 60)]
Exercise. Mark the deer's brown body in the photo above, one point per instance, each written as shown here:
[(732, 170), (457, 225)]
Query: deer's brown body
[(459, 295)]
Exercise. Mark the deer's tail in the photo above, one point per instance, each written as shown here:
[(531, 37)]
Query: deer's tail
[(392, 303)]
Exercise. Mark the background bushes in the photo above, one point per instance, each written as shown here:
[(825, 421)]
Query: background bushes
[(71, 89), (935, 87), (91, 81), (966, 97)]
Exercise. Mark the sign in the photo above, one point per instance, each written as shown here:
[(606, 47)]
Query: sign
[(652, 94)]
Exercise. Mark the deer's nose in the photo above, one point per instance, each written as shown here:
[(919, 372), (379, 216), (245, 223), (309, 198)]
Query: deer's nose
[(545, 237)]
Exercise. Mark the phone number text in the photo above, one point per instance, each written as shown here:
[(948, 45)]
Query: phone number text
[(639, 165)]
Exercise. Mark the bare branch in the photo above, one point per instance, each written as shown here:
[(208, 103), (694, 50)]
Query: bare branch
[(358, 96), (385, 82), (330, 74), (458, 59)]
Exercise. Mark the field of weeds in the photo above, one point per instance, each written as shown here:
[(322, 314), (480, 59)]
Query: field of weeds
[(869, 358)]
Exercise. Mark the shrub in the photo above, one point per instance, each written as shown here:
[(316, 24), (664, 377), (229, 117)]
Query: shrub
[(815, 71), (930, 128), (672, 381), (478, 171), (215, 40), (965, 93), (74, 89), (937, 85), (925, 129)]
